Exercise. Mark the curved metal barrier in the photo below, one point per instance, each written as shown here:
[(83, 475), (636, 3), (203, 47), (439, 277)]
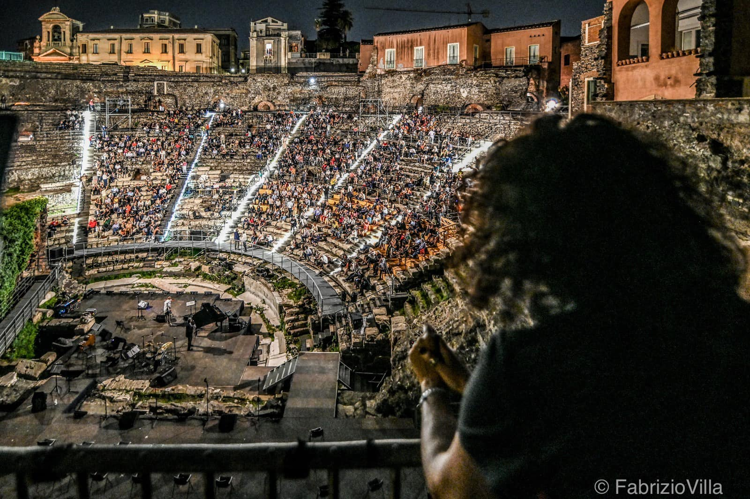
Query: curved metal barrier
[(328, 299)]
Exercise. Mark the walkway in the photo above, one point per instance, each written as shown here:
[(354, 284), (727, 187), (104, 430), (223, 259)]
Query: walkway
[(328, 299), (314, 386)]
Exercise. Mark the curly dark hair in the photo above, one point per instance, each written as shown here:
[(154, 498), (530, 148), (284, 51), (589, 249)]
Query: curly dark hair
[(600, 217)]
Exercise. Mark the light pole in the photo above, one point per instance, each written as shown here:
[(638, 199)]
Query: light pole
[(205, 380)]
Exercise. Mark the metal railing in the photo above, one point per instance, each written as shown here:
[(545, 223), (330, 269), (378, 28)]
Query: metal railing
[(11, 56), (328, 300), (13, 325), (276, 460), (519, 61)]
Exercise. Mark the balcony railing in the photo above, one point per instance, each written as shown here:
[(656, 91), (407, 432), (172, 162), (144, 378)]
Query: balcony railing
[(519, 61), (58, 463)]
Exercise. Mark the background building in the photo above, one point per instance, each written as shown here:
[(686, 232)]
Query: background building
[(159, 19), (570, 53), (272, 44), (428, 48), (57, 43), (228, 45), (183, 50)]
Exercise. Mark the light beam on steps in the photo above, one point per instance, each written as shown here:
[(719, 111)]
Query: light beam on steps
[(85, 158), (190, 175), (265, 173), (281, 242)]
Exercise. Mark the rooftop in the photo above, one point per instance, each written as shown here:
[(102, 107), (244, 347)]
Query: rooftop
[(439, 28), (525, 27)]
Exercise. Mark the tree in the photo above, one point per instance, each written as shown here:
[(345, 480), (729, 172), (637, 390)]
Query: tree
[(330, 34), (346, 22)]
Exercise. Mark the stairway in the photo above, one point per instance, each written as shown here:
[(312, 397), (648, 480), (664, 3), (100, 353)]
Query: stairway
[(278, 375)]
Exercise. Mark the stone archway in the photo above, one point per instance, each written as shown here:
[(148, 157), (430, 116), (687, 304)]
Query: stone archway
[(265, 106), (417, 101), (473, 108)]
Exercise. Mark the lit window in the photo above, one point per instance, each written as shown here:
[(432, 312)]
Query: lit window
[(390, 59), (164, 48), (198, 48), (510, 56), (269, 49), (146, 47), (418, 57), (95, 48), (453, 53), (533, 54)]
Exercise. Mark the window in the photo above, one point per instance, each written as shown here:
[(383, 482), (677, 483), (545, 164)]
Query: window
[(566, 60), (533, 54), (95, 48), (164, 48), (688, 26), (453, 53), (390, 58), (146, 47), (639, 26), (111, 48), (181, 69), (56, 33), (476, 54), (590, 92), (418, 57), (197, 69), (83, 48), (198, 48), (510, 56), (269, 50), (130, 49)]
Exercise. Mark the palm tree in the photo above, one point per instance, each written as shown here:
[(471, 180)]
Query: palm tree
[(346, 22)]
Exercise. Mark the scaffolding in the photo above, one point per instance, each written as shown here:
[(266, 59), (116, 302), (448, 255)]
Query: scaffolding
[(116, 110), (374, 110)]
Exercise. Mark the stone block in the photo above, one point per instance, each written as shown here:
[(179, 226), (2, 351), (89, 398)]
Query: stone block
[(30, 369)]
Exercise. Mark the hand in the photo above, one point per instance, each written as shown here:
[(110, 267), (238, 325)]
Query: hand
[(436, 353), (426, 373)]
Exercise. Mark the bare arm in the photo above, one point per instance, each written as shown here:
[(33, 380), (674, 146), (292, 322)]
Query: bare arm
[(450, 471)]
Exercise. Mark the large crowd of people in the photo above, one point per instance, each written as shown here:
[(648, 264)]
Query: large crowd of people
[(135, 174)]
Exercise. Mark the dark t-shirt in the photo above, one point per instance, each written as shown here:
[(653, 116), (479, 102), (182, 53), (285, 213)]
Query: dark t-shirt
[(577, 400)]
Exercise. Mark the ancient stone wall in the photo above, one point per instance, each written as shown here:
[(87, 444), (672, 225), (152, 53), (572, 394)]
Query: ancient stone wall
[(596, 63), (73, 85), (712, 134)]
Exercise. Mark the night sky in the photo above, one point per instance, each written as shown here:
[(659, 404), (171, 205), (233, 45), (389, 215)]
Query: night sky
[(20, 17)]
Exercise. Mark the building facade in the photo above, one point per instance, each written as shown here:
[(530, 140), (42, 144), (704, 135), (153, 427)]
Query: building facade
[(589, 78), (656, 45), (365, 53), (529, 45), (455, 45), (570, 53), (272, 45), (159, 19), (57, 42), (228, 46), (183, 50)]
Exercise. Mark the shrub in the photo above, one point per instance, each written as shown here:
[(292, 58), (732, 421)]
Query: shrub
[(24, 346)]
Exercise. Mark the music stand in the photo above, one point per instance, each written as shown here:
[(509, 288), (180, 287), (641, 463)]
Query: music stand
[(141, 305), (55, 371)]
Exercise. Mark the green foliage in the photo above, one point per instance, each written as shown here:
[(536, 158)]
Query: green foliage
[(23, 346), (298, 294), (144, 274), (17, 228), (50, 303), (284, 283)]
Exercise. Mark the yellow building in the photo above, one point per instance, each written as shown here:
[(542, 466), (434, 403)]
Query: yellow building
[(171, 49), (168, 48)]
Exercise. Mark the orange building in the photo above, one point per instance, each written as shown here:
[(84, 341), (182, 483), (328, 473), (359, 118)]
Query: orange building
[(570, 53), (530, 45), (656, 46), (365, 53), (428, 48)]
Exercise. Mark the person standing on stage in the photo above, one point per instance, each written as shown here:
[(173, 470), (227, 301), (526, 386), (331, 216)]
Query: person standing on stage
[(190, 332), (168, 310)]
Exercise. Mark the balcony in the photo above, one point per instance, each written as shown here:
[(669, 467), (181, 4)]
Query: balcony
[(135, 468), (519, 61)]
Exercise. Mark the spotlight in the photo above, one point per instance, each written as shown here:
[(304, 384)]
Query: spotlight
[(551, 105), (312, 80)]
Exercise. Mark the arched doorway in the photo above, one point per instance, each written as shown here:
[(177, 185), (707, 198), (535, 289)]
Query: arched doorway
[(473, 108), (265, 106), (56, 33), (633, 27)]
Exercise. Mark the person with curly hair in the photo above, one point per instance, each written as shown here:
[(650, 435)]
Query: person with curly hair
[(635, 369)]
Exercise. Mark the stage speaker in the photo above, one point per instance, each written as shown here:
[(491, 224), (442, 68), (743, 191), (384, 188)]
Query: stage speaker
[(161, 318), (165, 378), (227, 422), (38, 402), (79, 414), (127, 420)]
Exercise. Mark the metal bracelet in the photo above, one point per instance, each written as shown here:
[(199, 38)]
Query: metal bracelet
[(430, 391)]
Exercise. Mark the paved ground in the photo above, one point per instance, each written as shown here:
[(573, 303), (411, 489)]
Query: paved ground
[(312, 393)]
